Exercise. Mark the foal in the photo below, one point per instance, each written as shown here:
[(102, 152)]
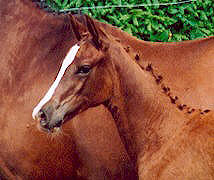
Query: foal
[(162, 142)]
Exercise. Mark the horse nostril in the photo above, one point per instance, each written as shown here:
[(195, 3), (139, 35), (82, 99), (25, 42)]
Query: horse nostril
[(42, 114), (43, 119)]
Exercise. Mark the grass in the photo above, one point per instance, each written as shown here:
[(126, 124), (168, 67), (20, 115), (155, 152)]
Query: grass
[(152, 23)]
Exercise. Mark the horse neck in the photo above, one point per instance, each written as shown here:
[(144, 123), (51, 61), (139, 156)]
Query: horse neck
[(144, 114)]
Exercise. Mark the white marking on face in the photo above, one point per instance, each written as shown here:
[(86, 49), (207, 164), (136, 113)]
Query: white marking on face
[(67, 61)]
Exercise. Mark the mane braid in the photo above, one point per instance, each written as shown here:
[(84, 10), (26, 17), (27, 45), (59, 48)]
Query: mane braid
[(113, 109), (166, 90)]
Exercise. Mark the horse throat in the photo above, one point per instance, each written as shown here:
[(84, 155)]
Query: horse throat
[(123, 127)]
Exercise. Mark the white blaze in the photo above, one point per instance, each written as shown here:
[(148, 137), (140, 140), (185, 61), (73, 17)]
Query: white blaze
[(67, 61)]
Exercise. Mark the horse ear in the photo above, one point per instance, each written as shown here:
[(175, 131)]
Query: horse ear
[(94, 32), (77, 27)]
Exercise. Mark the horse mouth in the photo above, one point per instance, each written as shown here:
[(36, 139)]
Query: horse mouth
[(48, 126), (48, 130)]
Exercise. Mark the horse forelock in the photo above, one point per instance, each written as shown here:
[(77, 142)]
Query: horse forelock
[(66, 63)]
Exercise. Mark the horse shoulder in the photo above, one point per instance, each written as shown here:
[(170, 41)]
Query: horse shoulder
[(189, 154)]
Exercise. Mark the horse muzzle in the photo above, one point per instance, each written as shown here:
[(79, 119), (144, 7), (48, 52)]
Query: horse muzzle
[(46, 123), (49, 118), (53, 114)]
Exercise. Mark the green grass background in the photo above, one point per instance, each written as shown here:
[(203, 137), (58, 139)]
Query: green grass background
[(151, 23)]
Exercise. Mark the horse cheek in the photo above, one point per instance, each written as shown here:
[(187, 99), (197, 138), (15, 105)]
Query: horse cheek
[(99, 87), (105, 89)]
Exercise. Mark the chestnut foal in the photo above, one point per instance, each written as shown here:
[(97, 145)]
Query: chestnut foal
[(161, 140)]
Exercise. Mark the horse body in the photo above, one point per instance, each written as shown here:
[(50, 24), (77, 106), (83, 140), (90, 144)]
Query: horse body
[(162, 141), (23, 150), (33, 44)]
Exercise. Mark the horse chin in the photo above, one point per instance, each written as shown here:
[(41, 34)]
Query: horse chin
[(46, 130)]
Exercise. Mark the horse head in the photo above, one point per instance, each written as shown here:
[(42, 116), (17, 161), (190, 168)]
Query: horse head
[(84, 80)]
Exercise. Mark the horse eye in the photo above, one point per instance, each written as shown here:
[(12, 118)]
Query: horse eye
[(85, 69)]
